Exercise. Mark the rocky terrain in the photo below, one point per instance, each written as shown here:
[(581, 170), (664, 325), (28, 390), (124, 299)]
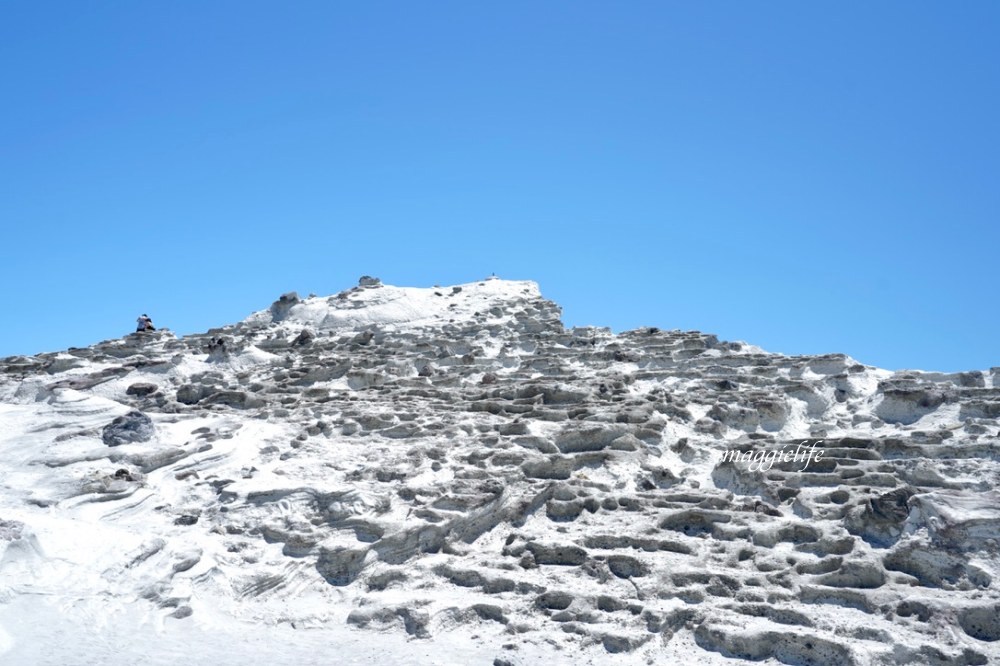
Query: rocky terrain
[(453, 467)]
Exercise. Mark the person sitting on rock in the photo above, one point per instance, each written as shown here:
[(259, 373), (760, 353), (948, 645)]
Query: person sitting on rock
[(144, 323)]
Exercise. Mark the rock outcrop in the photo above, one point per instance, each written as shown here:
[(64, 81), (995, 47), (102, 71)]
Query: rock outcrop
[(431, 461), (132, 427)]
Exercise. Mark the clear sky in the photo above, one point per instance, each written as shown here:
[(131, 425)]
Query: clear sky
[(809, 177)]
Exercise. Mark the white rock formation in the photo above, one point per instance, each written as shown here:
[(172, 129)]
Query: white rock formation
[(447, 475)]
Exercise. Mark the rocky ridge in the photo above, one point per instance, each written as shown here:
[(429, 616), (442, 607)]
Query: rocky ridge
[(455, 461)]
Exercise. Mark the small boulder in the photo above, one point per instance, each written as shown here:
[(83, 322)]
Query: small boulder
[(558, 554), (280, 308), (369, 281), (141, 389), (595, 438), (189, 394), (230, 398), (363, 338), (304, 337), (132, 427)]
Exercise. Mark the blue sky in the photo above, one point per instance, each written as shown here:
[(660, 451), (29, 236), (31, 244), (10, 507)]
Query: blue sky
[(809, 177)]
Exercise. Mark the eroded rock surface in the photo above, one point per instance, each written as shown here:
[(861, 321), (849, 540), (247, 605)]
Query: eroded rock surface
[(453, 459)]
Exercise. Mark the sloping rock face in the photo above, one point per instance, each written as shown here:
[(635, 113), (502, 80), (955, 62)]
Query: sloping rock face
[(453, 461)]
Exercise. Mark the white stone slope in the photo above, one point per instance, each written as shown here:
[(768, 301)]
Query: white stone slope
[(448, 476)]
